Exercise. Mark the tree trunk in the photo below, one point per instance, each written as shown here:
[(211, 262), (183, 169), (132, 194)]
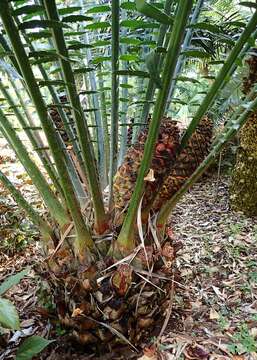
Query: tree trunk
[(243, 187)]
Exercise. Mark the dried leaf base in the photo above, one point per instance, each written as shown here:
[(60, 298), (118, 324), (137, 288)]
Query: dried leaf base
[(111, 304)]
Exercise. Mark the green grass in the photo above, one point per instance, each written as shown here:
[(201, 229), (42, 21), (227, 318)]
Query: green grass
[(243, 341)]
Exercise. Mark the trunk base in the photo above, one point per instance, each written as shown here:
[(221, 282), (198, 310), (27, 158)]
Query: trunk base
[(244, 183), (104, 306)]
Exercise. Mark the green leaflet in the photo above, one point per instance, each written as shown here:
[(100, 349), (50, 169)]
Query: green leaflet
[(248, 4), (99, 9), (76, 18), (9, 317), (206, 26), (83, 70), (51, 82), (196, 54), (129, 57), (152, 64), (99, 43), (185, 78), (39, 35), (153, 12), (31, 347), (101, 59), (130, 41), (12, 280), (98, 25), (68, 10), (126, 86), (128, 5), (28, 9), (79, 46), (34, 24), (139, 24), (133, 73)]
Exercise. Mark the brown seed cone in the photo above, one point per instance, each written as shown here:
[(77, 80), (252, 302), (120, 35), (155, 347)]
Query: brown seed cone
[(187, 162), (58, 121), (130, 132), (125, 179)]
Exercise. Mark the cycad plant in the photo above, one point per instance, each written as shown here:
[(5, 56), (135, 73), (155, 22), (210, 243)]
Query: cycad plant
[(84, 71)]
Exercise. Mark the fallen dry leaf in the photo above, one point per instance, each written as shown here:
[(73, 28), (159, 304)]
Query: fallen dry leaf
[(150, 176), (196, 352), (145, 357), (149, 354), (254, 355), (253, 332), (214, 315), (76, 312)]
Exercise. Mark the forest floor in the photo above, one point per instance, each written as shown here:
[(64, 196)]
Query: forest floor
[(214, 313)]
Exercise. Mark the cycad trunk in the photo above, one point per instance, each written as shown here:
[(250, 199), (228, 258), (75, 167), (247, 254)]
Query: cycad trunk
[(244, 179)]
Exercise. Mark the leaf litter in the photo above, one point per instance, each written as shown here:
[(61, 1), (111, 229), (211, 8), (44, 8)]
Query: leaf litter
[(214, 310), (215, 315)]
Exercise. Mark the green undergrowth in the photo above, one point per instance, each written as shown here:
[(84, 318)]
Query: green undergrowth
[(16, 231)]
